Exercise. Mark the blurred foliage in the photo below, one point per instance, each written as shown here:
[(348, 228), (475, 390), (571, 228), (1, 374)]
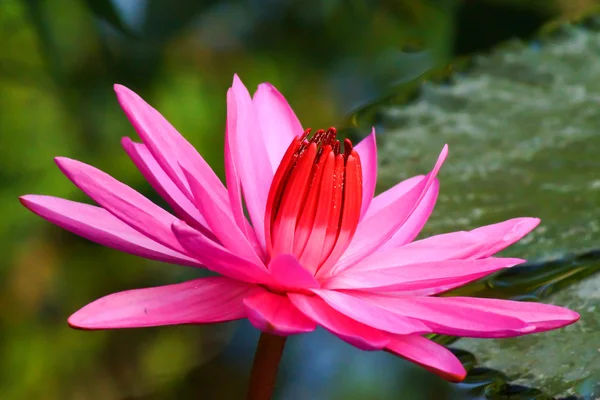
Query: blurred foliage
[(58, 63)]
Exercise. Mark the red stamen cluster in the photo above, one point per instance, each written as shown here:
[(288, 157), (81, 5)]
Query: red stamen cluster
[(314, 201)]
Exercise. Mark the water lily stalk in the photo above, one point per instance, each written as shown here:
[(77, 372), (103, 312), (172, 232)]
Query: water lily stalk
[(265, 366), (318, 248)]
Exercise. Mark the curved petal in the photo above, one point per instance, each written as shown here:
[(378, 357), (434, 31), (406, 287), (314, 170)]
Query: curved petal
[(218, 259), (391, 195), (417, 220), (100, 226), (476, 244), (367, 151), (122, 201), (164, 186), (200, 301), (369, 314), (168, 147), (372, 232), (360, 335), (419, 276), (221, 221), (290, 274), (429, 355), (278, 123), (274, 313), (449, 317), (542, 317), (232, 177), (501, 235), (251, 158)]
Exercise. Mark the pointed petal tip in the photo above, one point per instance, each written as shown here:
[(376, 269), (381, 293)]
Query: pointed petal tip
[(64, 162), (529, 223), (563, 317), (266, 86), (444, 152), (26, 199), (74, 322), (30, 201), (69, 166), (513, 261), (455, 377), (80, 321), (124, 94), (236, 80), (127, 98), (126, 141), (239, 89), (522, 228), (569, 316), (122, 90), (429, 355)]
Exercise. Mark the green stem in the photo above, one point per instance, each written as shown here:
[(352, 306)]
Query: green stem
[(265, 367)]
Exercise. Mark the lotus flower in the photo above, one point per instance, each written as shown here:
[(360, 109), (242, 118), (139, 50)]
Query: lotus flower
[(317, 249)]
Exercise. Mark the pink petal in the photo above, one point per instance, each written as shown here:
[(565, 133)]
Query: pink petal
[(362, 336), (418, 276), (417, 220), (543, 317), (478, 243), (475, 244), (221, 221), (100, 226), (122, 201), (251, 158), (168, 147), (369, 314), (449, 317), (200, 301), (374, 231), (160, 181), (391, 195), (274, 313), (217, 258), (501, 235), (232, 178), (278, 123), (429, 355), (290, 275), (367, 151)]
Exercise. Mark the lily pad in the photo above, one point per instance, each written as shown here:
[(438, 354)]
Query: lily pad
[(523, 127), (562, 362)]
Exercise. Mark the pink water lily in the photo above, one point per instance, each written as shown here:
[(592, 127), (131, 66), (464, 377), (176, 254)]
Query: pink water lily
[(317, 249)]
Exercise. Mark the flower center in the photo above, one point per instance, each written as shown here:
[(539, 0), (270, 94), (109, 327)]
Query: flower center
[(314, 201)]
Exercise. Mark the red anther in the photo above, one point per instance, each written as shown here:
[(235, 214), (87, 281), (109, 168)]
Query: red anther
[(314, 200), (331, 133), (305, 135), (336, 147), (318, 136), (347, 148)]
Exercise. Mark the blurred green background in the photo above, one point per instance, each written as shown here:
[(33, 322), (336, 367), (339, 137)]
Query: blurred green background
[(58, 62)]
